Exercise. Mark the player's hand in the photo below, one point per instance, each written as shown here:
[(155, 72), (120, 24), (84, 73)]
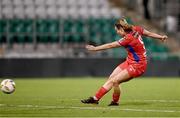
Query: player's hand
[(90, 47), (164, 38)]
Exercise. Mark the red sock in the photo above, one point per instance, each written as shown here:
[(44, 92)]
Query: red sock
[(116, 97), (101, 92)]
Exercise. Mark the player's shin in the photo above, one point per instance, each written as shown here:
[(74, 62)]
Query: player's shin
[(103, 90), (100, 93), (116, 94)]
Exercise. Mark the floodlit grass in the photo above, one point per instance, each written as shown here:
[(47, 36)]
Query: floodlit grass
[(48, 97)]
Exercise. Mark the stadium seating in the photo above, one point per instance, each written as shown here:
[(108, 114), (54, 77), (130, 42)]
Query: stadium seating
[(65, 21), (3, 25), (3, 28), (58, 8), (99, 31)]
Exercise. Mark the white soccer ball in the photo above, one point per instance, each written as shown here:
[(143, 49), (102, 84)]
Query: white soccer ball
[(8, 86)]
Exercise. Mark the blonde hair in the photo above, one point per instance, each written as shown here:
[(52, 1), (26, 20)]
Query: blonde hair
[(122, 23)]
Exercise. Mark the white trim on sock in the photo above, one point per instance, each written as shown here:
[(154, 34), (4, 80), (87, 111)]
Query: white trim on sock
[(95, 98)]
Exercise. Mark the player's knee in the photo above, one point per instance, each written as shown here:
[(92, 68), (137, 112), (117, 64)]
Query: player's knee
[(110, 81), (115, 82)]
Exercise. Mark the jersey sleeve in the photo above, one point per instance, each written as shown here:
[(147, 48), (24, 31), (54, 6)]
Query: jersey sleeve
[(124, 41), (139, 29)]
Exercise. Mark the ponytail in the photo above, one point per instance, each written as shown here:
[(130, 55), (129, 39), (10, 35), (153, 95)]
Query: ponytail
[(122, 23)]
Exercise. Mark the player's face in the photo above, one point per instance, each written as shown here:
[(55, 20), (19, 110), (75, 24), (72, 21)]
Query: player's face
[(120, 31)]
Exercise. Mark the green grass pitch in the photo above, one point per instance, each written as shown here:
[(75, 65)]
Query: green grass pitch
[(60, 97)]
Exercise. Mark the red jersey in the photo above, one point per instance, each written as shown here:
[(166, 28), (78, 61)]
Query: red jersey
[(134, 46)]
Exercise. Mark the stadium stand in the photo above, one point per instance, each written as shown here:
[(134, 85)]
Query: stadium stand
[(63, 22)]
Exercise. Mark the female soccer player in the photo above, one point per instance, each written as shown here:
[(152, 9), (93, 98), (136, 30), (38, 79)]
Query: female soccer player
[(135, 64)]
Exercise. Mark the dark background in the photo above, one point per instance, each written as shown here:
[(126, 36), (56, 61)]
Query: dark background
[(61, 67)]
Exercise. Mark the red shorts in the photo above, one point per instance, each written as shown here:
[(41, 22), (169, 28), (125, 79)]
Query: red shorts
[(134, 69)]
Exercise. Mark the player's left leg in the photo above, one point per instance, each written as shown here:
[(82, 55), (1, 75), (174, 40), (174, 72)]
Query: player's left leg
[(116, 88), (116, 95), (121, 77), (102, 91)]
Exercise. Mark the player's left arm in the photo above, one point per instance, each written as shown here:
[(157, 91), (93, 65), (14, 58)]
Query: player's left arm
[(103, 47), (154, 35)]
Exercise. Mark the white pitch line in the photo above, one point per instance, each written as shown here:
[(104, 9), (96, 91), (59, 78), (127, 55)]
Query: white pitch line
[(136, 100), (167, 101), (90, 108)]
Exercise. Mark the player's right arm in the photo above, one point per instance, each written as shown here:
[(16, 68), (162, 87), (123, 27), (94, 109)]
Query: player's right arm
[(103, 47), (154, 35)]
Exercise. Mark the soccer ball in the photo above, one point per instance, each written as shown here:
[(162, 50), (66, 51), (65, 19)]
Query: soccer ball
[(8, 86)]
